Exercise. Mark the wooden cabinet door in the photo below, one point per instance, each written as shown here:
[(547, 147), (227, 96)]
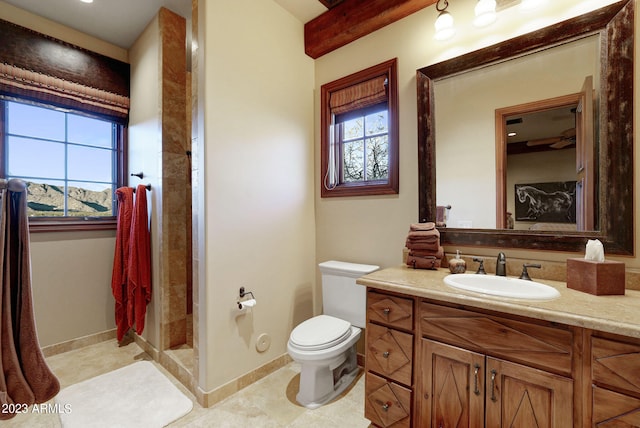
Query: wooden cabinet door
[(452, 386), (520, 396), (389, 353), (387, 404), (615, 365), (611, 409), (393, 311)]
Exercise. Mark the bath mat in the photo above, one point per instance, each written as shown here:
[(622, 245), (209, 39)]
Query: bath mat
[(137, 395)]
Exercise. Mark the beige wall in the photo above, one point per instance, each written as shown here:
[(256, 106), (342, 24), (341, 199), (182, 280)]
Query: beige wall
[(71, 282), (373, 229), (145, 150), (254, 178)]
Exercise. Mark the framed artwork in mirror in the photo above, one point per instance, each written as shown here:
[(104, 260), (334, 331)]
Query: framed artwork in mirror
[(553, 202)]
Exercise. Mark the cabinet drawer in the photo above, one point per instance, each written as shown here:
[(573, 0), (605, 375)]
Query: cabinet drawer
[(387, 404), (614, 410), (389, 352), (542, 346), (390, 310), (616, 364)]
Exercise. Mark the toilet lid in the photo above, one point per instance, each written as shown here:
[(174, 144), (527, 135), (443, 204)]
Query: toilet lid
[(320, 332)]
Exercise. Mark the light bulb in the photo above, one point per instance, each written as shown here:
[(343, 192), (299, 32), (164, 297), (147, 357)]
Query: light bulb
[(444, 26), (485, 13)]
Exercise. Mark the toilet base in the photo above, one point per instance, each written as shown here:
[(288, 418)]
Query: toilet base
[(320, 384)]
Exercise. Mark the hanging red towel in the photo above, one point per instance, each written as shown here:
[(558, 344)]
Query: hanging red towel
[(139, 285), (119, 276)]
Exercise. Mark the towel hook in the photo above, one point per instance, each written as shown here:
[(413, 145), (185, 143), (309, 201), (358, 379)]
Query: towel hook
[(140, 175)]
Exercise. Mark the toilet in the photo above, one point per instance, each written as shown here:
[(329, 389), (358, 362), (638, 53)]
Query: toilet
[(325, 345)]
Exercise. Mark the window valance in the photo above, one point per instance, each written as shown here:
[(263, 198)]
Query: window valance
[(360, 95), (26, 84), (60, 74)]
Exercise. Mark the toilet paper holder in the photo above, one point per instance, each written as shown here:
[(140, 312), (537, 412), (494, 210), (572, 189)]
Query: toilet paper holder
[(242, 294)]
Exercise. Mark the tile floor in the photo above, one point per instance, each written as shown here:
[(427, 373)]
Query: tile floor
[(270, 402)]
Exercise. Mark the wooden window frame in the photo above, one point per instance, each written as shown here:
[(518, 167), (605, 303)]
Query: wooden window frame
[(386, 187)]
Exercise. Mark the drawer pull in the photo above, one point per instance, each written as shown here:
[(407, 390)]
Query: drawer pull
[(385, 354), (476, 369), (385, 406), (493, 385), (386, 311)]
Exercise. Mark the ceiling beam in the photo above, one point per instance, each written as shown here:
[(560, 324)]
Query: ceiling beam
[(351, 19)]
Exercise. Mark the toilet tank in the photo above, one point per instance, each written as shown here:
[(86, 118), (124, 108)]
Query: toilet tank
[(341, 296)]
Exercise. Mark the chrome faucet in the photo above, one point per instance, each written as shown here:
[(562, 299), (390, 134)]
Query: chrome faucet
[(501, 265)]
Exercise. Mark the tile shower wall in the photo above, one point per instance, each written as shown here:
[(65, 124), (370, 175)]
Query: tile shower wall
[(175, 187)]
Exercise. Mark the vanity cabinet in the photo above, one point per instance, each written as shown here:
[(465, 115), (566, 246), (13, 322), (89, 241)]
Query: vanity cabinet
[(389, 360), (431, 364), (615, 375), (467, 389), (478, 362), (485, 370)]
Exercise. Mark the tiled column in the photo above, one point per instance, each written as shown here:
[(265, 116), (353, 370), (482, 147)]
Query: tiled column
[(175, 186)]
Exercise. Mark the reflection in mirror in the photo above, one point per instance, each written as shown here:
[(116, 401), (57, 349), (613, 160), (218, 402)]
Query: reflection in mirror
[(467, 175), (548, 186), (541, 170), (467, 131)]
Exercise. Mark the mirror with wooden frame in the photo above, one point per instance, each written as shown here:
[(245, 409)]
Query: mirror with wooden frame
[(612, 217)]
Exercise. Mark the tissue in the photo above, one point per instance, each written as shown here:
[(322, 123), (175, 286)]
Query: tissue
[(594, 251), (250, 303), (593, 275)]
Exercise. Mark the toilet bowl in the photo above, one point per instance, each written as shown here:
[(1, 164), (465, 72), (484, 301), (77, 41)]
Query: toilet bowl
[(325, 345)]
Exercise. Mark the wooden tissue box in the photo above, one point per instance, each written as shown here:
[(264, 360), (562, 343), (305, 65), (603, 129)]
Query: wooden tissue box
[(599, 278)]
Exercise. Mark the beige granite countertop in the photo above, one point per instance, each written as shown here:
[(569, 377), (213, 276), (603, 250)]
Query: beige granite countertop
[(611, 314)]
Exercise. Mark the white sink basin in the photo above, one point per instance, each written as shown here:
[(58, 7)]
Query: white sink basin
[(502, 286)]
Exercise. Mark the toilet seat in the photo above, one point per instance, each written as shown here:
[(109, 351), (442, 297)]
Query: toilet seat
[(320, 332)]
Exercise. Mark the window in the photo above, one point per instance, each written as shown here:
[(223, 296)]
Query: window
[(63, 120), (359, 134), (364, 143), (71, 162)]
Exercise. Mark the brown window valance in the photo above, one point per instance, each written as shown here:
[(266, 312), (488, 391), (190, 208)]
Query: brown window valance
[(51, 90), (360, 95), (43, 69)]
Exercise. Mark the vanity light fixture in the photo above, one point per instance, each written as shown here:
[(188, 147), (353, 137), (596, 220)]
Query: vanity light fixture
[(444, 23), (86, 1), (485, 11)]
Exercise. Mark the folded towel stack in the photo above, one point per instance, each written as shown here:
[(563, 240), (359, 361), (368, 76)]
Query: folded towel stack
[(423, 242)]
